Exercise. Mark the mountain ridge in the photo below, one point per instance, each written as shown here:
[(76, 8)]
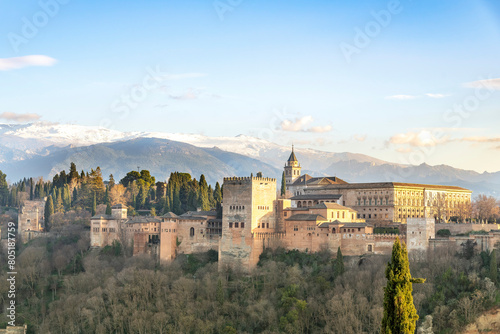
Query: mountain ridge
[(45, 148)]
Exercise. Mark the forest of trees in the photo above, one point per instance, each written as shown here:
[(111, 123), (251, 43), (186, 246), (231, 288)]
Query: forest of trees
[(63, 287), (74, 192)]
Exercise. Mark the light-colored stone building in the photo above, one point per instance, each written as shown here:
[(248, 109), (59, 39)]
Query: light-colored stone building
[(382, 203), (31, 221)]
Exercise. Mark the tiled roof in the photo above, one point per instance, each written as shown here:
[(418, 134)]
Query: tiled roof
[(306, 217), (316, 197), (307, 179)]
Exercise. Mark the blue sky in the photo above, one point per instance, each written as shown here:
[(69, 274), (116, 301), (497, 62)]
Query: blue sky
[(405, 81)]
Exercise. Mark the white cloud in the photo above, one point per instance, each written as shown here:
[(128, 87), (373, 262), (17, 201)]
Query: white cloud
[(298, 124), (14, 63), (301, 125), (320, 129), (10, 116), (401, 97), (492, 84), (436, 96), (422, 138)]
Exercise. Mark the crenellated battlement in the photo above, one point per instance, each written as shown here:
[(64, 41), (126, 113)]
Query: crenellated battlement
[(401, 237), (240, 179), (268, 235)]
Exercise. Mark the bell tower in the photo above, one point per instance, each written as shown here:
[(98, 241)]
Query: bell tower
[(292, 169)]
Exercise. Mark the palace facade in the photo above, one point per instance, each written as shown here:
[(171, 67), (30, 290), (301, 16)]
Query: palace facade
[(319, 213)]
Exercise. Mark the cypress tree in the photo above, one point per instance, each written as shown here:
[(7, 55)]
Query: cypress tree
[(75, 194), (400, 315), (49, 211), (165, 204), (217, 193), (111, 181), (58, 204), (108, 209), (339, 264), (31, 189), (4, 189), (283, 184), (73, 173), (176, 207), (493, 267), (141, 198), (42, 193), (94, 206), (203, 201)]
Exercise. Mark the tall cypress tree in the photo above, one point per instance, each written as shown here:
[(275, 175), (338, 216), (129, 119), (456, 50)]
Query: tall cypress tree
[(58, 204), (49, 211), (32, 195), (218, 200), (400, 315), (339, 264), (108, 209), (283, 184), (493, 267), (73, 173), (4, 189), (203, 201)]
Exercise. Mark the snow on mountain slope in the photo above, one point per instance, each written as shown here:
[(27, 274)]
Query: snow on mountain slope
[(34, 137)]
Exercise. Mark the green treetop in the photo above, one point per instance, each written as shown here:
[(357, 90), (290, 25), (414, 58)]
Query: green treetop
[(49, 211), (400, 315)]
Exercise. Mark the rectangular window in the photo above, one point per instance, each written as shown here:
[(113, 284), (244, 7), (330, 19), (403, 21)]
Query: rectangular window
[(230, 225), (236, 225), (242, 225), (267, 225)]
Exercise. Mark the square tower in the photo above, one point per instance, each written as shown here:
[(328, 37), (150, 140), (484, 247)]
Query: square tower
[(248, 207)]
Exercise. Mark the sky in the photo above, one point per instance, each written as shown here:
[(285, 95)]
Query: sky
[(404, 81)]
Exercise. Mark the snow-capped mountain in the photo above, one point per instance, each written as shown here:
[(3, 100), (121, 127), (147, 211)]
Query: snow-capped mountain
[(43, 149)]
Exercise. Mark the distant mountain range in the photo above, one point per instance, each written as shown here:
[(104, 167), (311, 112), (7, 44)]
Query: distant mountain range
[(43, 149)]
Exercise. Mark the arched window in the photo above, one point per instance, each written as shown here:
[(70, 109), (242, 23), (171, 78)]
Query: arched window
[(191, 232)]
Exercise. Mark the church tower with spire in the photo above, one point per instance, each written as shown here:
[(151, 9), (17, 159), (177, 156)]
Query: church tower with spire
[(292, 169)]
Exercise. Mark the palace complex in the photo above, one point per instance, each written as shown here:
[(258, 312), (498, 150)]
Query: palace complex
[(316, 213)]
